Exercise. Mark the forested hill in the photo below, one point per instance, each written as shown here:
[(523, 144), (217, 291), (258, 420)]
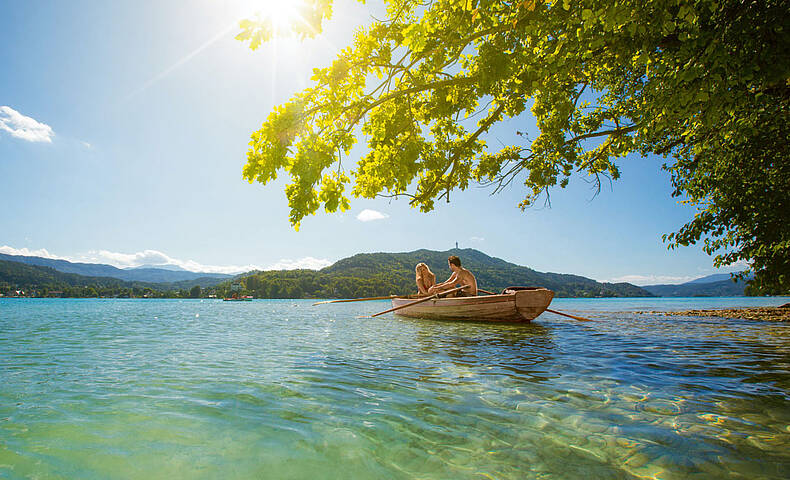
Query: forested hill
[(363, 275), (149, 274), (20, 276), (721, 288), (17, 273), (371, 274), (42, 281)]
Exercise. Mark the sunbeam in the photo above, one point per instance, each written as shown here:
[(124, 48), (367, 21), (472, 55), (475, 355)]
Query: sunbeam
[(227, 29)]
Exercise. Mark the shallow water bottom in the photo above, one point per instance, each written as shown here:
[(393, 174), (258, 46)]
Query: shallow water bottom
[(281, 389)]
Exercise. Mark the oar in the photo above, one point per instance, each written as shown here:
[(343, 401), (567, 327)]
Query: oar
[(358, 299), (570, 316), (548, 310), (435, 295)]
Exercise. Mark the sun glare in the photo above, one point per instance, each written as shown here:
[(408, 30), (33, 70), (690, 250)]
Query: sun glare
[(283, 14)]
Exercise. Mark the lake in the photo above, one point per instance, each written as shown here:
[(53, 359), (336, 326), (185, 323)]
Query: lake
[(94, 388)]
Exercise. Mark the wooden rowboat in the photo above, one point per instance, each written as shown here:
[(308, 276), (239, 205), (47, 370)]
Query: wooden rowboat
[(515, 304)]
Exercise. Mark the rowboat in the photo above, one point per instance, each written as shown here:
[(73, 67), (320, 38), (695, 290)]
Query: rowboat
[(514, 304)]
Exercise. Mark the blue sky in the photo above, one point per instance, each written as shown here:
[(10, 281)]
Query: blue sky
[(124, 128)]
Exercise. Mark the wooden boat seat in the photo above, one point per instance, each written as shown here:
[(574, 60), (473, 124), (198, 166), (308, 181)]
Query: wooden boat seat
[(509, 290)]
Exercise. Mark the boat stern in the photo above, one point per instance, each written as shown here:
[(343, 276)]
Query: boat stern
[(531, 303)]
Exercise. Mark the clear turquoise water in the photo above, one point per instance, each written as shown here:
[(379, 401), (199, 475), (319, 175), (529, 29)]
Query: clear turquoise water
[(281, 389)]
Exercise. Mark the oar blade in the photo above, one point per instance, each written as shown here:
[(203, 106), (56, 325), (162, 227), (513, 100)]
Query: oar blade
[(581, 319)]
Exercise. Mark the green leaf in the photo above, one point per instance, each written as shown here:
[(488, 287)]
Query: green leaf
[(692, 82)]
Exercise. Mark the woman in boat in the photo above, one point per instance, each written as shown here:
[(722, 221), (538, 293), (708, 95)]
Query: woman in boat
[(424, 277)]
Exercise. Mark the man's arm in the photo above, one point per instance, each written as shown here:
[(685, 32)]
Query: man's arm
[(450, 281)]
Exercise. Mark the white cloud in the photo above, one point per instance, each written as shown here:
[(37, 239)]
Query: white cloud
[(25, 252), (653, 279), (308, 263), (86, 145), (23, 127), (146, 257), (476, 239), (159, 259), (368, 215)]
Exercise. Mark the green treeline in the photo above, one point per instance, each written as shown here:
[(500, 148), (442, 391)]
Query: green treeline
[(363, 275), (379, 274), (85, 291), (38, 281), (314, 284)]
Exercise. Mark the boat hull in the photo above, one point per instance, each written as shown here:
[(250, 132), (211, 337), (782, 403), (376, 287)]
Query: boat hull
[(518, 306)]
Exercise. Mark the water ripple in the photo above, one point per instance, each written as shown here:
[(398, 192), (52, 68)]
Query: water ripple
[(280, 389)]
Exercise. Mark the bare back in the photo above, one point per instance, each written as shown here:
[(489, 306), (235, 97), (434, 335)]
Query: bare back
[(468, 280)]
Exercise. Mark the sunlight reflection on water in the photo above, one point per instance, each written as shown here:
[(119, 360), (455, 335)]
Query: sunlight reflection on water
[(280, 389)]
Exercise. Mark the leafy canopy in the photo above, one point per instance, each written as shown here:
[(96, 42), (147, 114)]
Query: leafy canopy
[(703, 83)]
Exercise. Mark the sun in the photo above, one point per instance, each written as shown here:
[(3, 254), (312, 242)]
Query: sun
[(283, 14)]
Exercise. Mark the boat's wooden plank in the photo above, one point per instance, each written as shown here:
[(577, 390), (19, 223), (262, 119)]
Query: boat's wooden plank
[(521, 305), (482, 311), (466, 300), (465, 311), (531, 303)]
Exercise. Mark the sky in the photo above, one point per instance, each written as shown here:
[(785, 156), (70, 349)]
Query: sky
[(124, 128)]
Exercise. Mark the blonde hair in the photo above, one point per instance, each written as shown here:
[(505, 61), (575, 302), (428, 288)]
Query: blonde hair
[(425, 279), (421, 264)]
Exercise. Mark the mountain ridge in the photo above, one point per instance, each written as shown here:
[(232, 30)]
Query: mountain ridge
[(385, 273), (716, 277), (43, 279), (141, 274), (722, 288), (395, 269), (715, 285)]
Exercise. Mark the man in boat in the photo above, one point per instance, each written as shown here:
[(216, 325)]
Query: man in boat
[(460, 276)]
